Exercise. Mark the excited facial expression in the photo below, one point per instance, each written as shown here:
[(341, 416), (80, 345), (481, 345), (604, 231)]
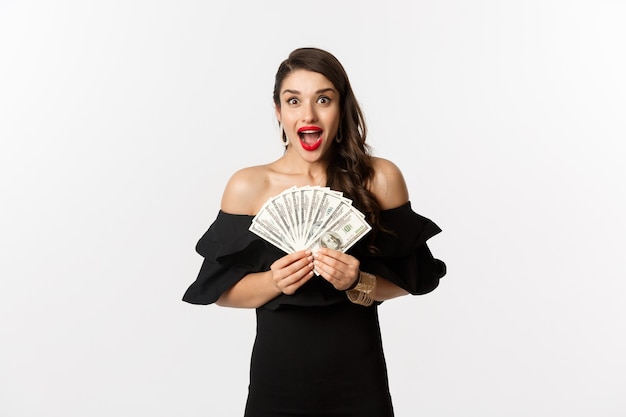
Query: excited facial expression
[(309, 112)]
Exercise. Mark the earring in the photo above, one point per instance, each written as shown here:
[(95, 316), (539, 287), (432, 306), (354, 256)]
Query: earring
[(283, 136), (338, 138)]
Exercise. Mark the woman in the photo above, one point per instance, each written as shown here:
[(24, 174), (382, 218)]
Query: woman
[(318, 350)]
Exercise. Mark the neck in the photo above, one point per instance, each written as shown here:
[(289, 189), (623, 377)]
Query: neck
[(312, 173)]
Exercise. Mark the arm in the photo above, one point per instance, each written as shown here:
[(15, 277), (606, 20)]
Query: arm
[(389, 187), (386, 290), (285, 276), (242, 195), (342, 270), (251, 291)]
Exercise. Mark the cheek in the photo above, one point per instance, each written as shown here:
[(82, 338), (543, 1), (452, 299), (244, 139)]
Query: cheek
[(336, 117), (288, 118)]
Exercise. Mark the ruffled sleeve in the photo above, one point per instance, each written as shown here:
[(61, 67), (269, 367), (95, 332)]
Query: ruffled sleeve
[(404, 257), (230, 252)]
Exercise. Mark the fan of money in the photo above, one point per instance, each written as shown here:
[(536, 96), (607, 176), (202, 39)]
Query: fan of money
[(310, 217)]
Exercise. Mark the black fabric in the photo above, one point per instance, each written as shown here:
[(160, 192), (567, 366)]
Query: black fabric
[(316, 353), (318, 361), (231, 251)]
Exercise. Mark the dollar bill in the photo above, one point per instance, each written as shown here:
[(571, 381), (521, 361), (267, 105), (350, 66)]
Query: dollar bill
[(342, 233), (310, 217), (272, 234)]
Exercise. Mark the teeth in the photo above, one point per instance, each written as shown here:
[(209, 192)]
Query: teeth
[(309, 131)]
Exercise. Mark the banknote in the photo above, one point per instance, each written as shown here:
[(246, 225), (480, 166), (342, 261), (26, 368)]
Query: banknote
[(342, 233), (267, 225), (310, 217), (269, 233)]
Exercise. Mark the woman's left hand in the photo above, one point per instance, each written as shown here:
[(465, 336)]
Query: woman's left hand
[(338, 268)]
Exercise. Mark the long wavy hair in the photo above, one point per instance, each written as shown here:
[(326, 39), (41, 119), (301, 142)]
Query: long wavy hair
[(350, 169)]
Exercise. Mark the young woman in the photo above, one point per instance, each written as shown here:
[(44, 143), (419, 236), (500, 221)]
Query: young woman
[(318, 349)]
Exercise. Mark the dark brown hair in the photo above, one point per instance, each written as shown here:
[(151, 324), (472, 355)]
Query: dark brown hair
[(350, 169)]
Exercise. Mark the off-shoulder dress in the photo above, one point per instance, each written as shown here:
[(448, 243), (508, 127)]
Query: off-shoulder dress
[(316, 353)]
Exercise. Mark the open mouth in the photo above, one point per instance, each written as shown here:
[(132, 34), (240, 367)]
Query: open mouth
[(310, 137)]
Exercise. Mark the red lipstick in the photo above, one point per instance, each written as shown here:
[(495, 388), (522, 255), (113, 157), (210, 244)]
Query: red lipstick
[(310, 137)]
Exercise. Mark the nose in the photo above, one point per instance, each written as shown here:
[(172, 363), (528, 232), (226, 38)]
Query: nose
[(308, 113)]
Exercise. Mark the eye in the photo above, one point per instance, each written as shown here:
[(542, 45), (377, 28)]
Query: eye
[(324, 100), (292, 101)]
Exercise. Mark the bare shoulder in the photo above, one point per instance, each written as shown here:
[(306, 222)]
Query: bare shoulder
[(388, 184), (245, 191)]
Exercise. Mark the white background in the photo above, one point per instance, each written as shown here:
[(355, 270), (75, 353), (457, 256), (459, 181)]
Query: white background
[(121, 121)]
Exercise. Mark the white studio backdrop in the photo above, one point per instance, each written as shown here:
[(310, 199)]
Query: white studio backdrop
[(121, 121)]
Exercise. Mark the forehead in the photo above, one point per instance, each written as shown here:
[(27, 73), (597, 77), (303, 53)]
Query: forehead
[(306, 82)]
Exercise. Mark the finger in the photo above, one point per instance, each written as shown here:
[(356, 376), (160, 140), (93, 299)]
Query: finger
[(336, 255), (290, 283), (305, 276), (326, 271), (339, 274), (329, 252), (291, 258), (292, 273), (339, 260), (297, 270)]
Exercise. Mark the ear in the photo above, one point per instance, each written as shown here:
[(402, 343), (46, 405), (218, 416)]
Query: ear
[(277, 111)]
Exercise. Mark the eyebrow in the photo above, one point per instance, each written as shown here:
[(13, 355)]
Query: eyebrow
[(323, 90)]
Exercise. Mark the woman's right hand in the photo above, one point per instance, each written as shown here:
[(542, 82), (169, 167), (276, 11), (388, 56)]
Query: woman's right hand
[(292, 271)]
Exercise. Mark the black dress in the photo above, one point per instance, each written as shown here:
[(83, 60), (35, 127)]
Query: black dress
[(316, 353)]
